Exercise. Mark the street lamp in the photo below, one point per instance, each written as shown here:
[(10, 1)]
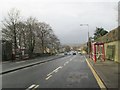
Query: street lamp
[(88, 34)]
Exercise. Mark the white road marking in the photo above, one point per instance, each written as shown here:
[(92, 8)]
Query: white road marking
[(50, 73), (67, 62), (36, 86), (48, 77), (64, 64), (61, 66), (32, 86), (56, 70)]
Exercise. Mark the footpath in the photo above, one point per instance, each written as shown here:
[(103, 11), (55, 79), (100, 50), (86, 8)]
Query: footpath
[(7, 67), (108, 71)]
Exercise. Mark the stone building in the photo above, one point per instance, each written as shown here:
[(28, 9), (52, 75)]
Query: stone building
[(112, 44)]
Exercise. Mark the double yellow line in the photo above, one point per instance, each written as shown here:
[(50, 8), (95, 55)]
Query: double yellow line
[(99, 81)]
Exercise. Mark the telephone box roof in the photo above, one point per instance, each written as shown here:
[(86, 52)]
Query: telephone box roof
[(97, 43)]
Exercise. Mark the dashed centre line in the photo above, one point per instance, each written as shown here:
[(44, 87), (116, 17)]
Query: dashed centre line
[(36, 86), (57, 69), (70, 59), (32, 87), (48, 77)]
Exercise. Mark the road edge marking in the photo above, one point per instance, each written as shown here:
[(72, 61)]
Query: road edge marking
[(98, 79)]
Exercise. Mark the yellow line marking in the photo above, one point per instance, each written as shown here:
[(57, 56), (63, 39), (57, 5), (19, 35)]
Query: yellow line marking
[(48, 77), (99, 81)]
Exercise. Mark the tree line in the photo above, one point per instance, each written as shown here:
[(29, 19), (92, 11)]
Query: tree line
[(28, 34)]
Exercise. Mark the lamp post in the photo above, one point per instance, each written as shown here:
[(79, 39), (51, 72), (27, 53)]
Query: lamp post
[(88, 35)]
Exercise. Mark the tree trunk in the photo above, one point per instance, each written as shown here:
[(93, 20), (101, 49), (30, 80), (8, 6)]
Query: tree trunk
[(15, 42)]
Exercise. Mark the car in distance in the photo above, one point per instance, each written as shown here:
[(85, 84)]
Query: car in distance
[(80, 53), (74, 53), (65, 53)]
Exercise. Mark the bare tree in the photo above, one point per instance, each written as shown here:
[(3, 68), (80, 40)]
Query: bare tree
[(55, 43), (29, 34), (10, 27), (43, 32), (21, 37), (31, 23)]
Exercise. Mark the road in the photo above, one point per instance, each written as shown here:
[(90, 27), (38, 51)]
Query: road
[(67, 72), (8, 66)]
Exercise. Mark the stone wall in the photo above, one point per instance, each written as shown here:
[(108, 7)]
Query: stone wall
[(112, 36)]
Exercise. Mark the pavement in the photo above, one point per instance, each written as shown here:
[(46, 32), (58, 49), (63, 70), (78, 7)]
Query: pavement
[(67, 72), (9, 66), (108, 71)]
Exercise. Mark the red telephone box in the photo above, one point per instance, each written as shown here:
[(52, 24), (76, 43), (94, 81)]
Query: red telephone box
[(97, 51)]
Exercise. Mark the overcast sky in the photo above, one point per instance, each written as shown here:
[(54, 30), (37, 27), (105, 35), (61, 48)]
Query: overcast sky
[(65, 16)]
